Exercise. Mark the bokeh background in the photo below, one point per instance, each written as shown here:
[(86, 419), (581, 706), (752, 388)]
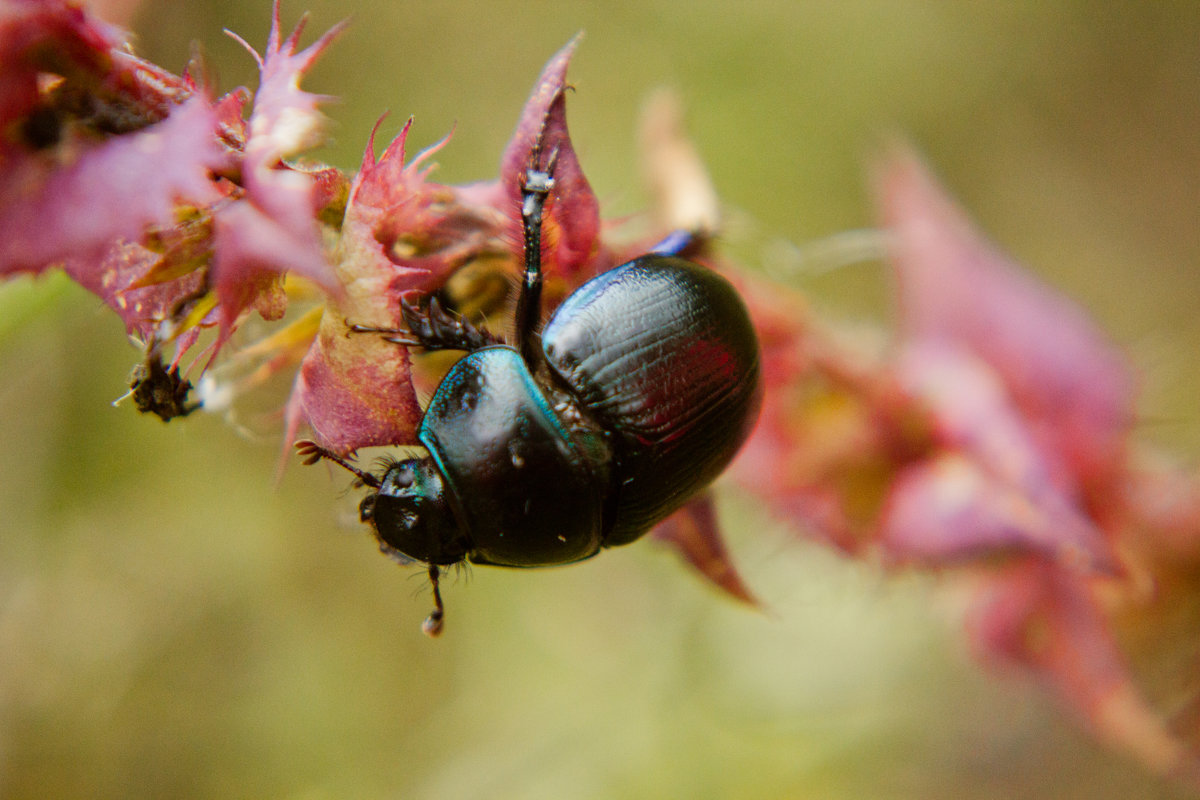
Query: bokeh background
[(174, 625)]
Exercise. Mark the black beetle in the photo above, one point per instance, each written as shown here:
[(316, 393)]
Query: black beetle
[(637, 393)]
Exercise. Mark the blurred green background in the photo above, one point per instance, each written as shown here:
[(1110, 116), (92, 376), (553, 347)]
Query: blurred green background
[(172, 625)]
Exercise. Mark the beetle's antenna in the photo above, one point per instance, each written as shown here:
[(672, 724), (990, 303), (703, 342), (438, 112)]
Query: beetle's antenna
[(432, 626), (312, 452), (535, 187)]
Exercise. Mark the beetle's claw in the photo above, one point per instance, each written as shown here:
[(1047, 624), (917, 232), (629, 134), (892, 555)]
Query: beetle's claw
[(433, 624), (539, 182), (308, 450), (354, 327)]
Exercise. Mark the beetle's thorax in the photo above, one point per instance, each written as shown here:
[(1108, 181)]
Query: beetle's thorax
[(525, 470)]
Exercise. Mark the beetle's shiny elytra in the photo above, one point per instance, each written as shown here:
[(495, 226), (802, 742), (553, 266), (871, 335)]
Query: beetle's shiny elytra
[(637, 393)]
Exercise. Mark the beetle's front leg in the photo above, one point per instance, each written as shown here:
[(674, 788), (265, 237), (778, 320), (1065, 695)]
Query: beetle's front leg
[(312, 452), (433, 328), (432, 626)]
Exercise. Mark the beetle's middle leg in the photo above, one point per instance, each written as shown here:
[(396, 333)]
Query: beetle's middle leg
[(433, 328)]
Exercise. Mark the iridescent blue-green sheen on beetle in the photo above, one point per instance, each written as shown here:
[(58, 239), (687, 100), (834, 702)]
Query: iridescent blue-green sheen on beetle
[(633, 397)]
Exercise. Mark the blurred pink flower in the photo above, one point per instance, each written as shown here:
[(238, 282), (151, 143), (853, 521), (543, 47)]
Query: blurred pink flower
[(992, 438)]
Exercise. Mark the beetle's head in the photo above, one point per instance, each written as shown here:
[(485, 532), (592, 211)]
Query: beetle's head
[(410, 514)]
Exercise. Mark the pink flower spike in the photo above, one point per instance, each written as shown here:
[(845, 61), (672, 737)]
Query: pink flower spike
[(1070, 382)]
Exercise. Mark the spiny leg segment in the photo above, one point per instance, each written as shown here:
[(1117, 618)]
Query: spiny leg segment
[(433, 328)]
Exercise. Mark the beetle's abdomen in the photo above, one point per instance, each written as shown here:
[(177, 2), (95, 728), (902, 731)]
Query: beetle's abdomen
[(662, 353), (528, 490)]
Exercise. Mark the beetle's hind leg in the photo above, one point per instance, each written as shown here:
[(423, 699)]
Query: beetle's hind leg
[(535, 188), (432, 327)]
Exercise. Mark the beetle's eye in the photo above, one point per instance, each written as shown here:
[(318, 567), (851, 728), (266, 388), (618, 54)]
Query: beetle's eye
[(402, 475)]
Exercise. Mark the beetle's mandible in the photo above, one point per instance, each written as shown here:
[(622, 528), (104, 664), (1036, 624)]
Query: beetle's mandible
[(632, 398)]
